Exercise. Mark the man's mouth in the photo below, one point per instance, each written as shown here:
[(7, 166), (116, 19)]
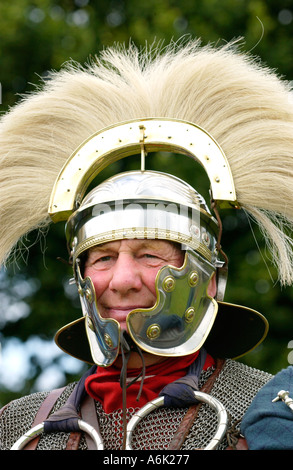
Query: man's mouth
[(120, 311)]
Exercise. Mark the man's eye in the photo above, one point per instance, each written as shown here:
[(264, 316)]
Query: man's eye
[(152, 258), (102, 259), (105, 258)]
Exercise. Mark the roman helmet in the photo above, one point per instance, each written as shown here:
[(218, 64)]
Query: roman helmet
[(231, 115), (152, 205)]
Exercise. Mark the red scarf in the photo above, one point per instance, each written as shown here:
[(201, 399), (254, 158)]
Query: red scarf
[(104, 386)]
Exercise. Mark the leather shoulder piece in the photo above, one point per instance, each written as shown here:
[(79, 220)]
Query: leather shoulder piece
[(43, 413), (192, 412)]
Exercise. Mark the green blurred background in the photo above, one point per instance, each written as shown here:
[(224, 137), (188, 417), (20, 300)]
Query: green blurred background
[(35, 297)]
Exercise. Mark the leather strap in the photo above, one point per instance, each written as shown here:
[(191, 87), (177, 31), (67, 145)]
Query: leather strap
[(43, 413), (88, 414), (73, 441), (192, 412)]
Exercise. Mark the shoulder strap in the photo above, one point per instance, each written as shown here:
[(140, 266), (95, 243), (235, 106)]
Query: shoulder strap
[(191, 414), (43, 413), (88, 414)]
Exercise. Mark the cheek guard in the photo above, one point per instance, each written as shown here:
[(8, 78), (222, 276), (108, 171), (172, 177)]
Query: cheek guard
[(177, 325), (102, 333), (183, 315)]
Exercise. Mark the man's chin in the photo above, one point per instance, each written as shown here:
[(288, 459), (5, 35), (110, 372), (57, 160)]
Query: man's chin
[(135, 361)]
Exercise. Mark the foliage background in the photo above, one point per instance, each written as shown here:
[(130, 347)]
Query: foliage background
[(39, 35)]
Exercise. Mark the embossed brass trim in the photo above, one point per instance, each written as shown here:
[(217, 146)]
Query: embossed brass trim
[(124, 139)]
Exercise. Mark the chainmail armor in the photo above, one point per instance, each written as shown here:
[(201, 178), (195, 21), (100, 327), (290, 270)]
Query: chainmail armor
[(235, 387)]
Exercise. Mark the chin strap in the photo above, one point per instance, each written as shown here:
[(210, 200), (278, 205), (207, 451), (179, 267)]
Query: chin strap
[(127, 347)]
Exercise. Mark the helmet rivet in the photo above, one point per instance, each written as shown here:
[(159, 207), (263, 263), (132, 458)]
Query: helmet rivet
[(153, 331), (193, 279), (108, 340), (189, 315), (88, 295), (80, 291), (168, 284), (194, 230), (206, 238)]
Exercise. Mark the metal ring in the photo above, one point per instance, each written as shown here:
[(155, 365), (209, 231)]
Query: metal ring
[(137, 417), (28, 436), (200, 396), (91, 431), (39, 429)]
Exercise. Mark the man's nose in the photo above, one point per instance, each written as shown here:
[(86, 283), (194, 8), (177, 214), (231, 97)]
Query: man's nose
[(126, 275)]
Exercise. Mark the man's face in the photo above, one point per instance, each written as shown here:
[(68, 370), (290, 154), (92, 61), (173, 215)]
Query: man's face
[(124, 272)]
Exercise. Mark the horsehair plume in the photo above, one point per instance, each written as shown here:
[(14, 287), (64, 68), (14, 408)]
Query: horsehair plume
[(244, 105)]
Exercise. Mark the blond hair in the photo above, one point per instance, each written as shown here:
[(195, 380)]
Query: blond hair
[(244, 105)]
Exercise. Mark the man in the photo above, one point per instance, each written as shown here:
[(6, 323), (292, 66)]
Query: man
[(145, 248)]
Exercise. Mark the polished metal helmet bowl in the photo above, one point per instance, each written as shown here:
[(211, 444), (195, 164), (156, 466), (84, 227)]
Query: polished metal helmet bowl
[(143, 204)]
